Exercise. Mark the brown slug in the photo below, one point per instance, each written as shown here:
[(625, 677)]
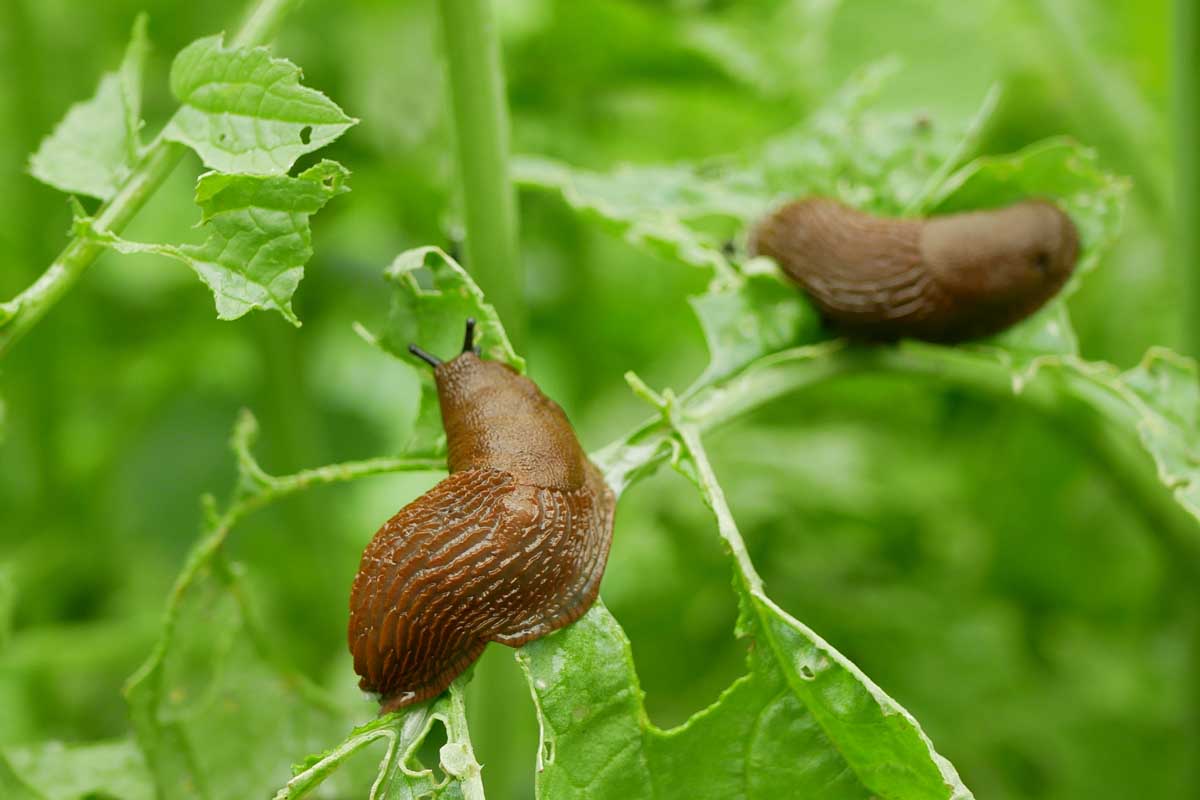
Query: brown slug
[(942, 279), (509, 547)]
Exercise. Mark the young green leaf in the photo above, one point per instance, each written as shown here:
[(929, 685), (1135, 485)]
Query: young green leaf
[(93, 149), (246, 112), (258, 236)]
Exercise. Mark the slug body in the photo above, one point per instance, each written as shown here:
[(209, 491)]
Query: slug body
[(509, 547), (944, 279)]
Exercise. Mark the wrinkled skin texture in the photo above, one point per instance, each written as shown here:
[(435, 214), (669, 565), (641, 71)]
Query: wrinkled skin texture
[(509, 547), (945, 279)]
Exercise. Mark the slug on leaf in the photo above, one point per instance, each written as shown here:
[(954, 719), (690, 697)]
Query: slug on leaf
[(509, 547), (942, 279)]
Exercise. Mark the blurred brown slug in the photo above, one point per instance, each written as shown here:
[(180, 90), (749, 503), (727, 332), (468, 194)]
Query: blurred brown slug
[(943, 279), (509, 547)]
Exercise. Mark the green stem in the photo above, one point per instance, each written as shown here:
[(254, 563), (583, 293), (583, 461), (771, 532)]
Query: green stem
[(262, 21), (481, 127), (462, 764), (20, 314), (1186, 114)]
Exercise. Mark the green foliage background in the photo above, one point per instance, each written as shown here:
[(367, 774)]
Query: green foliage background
[(969, 554)]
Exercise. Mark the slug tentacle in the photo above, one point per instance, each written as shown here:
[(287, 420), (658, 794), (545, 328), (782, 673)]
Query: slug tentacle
[(944, 279), (510, 546)]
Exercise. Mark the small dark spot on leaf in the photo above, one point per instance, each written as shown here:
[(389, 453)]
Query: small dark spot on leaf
[(306, 134), (807, 674), (221, 137)]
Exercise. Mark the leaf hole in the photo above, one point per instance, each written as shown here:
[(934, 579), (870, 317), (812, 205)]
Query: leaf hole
[(428, 754), (806, 673), (676, 603), (306, 134)]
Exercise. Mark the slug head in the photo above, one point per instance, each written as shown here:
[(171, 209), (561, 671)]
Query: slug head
[(1016, 257), (497, 419)]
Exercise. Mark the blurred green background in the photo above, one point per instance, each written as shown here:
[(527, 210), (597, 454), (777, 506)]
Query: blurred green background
[(965, 554)]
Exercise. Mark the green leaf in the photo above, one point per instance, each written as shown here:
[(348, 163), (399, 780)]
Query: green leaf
[(69, 772), (653, 207), (760, 315), (1165, 392), (774, 732), (258, 236), (93, 149), (215, 710), (212, 712), (432, 298), (883, 162), (1059, 168), (246, 112)]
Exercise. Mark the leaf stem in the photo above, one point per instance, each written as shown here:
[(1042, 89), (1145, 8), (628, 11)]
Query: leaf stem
[(476, 74), (20, 314)]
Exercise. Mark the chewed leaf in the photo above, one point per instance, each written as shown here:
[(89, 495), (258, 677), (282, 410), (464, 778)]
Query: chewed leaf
[(882, 162), (93, 149), (802, 722), (244, 111), (258, 236), (878, 161), (432, 299), (399, 776), (659, 207), (1042, 338), (744, 322), (1164, 392)]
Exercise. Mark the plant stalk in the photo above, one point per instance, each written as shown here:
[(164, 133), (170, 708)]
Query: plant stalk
[(476, 74), (20, 314), (1186, 118)]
